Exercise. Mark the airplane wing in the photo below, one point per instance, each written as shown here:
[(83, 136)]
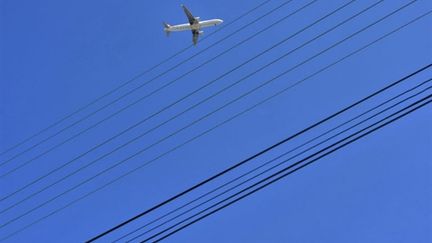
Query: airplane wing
[(189, 15), (195, 35)]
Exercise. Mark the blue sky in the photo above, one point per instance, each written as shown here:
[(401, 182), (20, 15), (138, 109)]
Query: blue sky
[(56, 56)]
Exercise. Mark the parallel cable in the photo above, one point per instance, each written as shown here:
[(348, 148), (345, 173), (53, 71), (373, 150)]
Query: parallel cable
[(203, 117), (301, 164), (224, 122), (138, 88), (202, 183), (174, 117), (269, 169), (145, 119), (129, 81), (273, 160)]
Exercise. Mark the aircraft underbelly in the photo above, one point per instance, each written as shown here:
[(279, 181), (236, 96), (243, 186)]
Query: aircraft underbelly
[(206, 24), (181, 27)]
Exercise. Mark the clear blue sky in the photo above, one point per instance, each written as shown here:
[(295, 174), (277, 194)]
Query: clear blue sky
[(56, 56)]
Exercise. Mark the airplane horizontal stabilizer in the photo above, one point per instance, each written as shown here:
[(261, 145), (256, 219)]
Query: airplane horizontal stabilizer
[(166, 28), (166, 25)]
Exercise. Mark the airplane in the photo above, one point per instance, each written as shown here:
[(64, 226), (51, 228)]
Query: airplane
[(195, 25)]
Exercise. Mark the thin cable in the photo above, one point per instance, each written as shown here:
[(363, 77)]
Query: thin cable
[(301, 165), (196, 121), (264, 172), (220, 124), (138, 123), (265, 164), (143, 85), (129, 81), (172, 118), (273, 160), (272, 146)]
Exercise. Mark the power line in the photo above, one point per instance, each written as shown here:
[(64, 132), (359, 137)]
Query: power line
[(206, 181), (140, 151), (287, 171), (183, 112), (129, 81), (275, 159), (268, 170), (220, 124), (145, 119), (280, 142), (158, 112), (141, 86), (205, 116)]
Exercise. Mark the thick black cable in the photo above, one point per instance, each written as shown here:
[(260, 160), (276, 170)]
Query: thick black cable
[(273, 160), (268, 170), (129, 81), (203, 117), (300, 165), (177, 115), (278, 143), (143, 85), (220, 124)]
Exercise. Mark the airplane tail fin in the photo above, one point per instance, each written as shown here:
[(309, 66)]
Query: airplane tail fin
[(166, 28)]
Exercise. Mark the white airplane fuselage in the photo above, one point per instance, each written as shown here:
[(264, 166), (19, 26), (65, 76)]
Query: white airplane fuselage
[(198, 26), (194, 25)]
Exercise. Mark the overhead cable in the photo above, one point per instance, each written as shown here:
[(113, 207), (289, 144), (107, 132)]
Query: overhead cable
[(274, 160), (184, 111), (129, 81), (352, 53), (291, 169), (194, 122), (133, 91)]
